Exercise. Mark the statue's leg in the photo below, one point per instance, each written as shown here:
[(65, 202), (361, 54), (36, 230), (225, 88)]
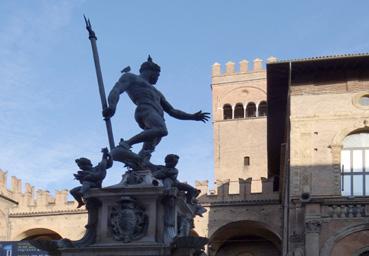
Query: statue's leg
[(76, 193), (148, 147), (154, 128), (85, 187)]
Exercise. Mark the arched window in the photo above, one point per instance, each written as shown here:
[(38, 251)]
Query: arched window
[(239, 112), (263, 108), (355, 165), (227, 111), (251, 110)]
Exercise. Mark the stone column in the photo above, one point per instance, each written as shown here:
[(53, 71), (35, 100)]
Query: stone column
[(312, 231)]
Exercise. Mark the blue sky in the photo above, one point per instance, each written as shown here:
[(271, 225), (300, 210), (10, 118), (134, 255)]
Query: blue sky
[(49, 103)]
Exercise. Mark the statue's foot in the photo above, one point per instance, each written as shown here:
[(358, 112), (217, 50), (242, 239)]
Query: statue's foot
[(124, 144)]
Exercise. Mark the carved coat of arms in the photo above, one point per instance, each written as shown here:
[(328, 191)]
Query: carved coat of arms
[(128, 220)]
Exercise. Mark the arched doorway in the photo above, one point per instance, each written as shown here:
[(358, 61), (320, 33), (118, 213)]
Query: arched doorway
[(351, 240), (244, 238), (39, 233)]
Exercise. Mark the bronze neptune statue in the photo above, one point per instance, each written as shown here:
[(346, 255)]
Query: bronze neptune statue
[(151, 105)]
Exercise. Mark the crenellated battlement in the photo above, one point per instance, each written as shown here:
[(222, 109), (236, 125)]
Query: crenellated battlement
[(224, 192), (243, 67), (32, 200)]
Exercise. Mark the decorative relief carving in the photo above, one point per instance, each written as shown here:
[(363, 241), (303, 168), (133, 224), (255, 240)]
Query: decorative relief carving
[(128, 220), (313, 226)]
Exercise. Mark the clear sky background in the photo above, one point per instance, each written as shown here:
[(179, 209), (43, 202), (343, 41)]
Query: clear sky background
[(50, 109)]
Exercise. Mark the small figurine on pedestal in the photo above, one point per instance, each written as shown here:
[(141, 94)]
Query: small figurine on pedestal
[(168, 174), (90, 177)]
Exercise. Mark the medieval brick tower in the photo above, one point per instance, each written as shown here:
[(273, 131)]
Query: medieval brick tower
[(240, 110)]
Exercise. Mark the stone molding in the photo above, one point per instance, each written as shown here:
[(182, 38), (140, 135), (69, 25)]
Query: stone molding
[(330, 200), (47, 213), (263, 118), (238, 79), (209, 203), (328, 88)]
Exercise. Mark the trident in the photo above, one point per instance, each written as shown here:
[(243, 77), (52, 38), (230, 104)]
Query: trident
[(100, 82)]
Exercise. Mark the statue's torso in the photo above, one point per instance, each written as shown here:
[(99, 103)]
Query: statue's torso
[(141, 92)]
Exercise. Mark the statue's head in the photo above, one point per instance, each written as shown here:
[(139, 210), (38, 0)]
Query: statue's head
[(84, 163), (171, 160), (150, 70)]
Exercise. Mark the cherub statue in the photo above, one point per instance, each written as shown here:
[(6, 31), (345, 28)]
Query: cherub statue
[(89, 176), (168, 174)]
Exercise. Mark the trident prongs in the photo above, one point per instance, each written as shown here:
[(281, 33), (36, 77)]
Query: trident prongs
[(91, 33)]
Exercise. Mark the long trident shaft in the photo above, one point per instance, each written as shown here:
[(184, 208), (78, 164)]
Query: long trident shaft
[(100, 81)]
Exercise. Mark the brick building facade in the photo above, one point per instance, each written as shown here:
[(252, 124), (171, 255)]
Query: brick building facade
[(311, 196)]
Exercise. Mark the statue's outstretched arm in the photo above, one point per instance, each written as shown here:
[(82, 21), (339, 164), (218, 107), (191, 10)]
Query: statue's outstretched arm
[(176, 113)]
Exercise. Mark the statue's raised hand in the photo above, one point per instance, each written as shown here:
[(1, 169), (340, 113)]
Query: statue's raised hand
[(201, 116), (105, 152), (108, 113)]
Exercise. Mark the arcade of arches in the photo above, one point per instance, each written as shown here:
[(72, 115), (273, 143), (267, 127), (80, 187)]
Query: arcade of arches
[(248, 111), (244, 238)]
